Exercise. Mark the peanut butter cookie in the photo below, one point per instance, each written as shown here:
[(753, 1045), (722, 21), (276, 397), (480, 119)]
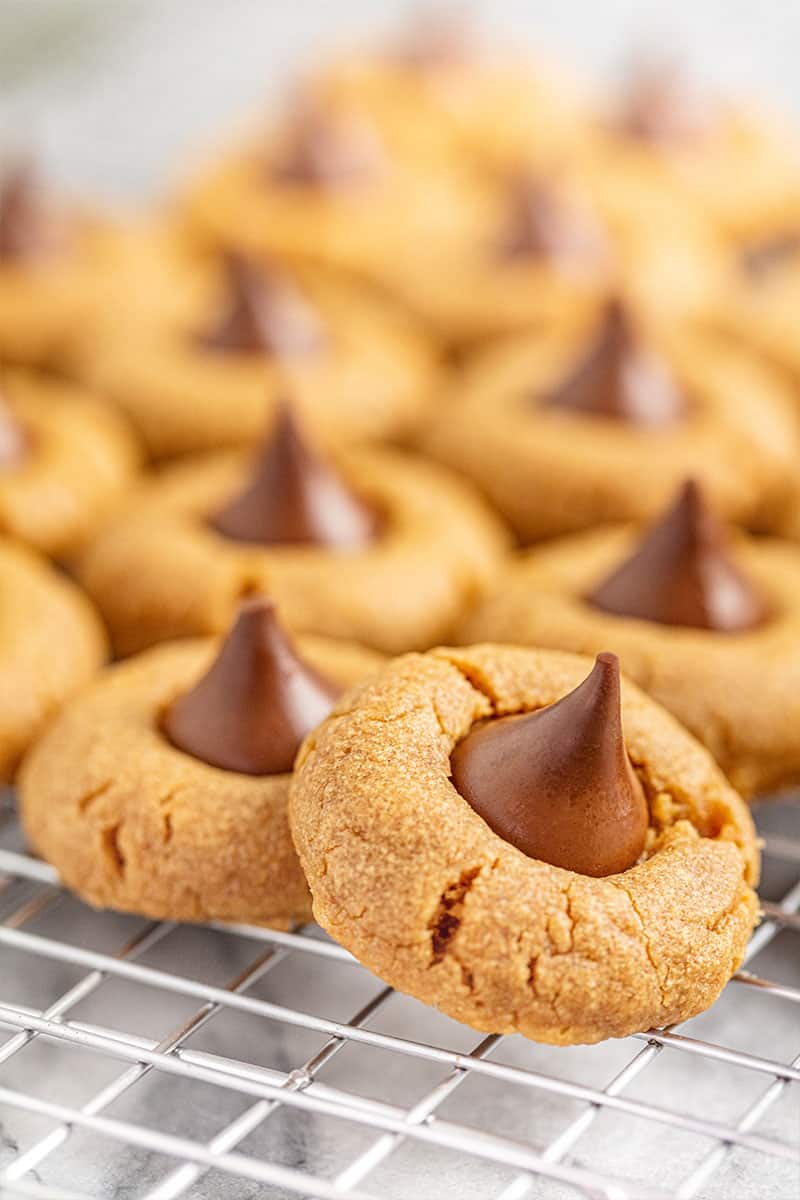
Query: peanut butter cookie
[(197, 353), (380, 547), (736, 162), (49, 257), (709, 626), (162, 790), (486, 830), (604, 422)]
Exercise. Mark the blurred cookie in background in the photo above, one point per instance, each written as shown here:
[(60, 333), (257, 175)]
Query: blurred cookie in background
[(603, 421), (66, 460), (363, 543), (198, 351)]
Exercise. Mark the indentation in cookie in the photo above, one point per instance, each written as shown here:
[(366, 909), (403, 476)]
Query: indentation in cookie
[(681, 573)]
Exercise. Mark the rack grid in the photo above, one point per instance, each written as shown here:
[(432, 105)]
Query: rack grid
[(152, 1061)]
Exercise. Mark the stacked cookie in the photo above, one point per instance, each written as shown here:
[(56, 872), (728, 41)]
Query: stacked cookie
[(447, 353)]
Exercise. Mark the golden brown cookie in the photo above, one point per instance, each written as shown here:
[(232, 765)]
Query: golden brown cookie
[(440, 89), (51, 643), (710, 631), (48, 260), (382, 548), (324, 189), (65, 462), (407, 875), (604, 422), (546, 246), (198, 353), (735, 162), (135, 822), (534, 251)]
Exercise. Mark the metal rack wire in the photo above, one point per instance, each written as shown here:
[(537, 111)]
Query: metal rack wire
[(135, 1066)]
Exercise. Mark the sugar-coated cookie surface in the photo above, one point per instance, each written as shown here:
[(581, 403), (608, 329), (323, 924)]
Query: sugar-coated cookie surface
[(406, 875)]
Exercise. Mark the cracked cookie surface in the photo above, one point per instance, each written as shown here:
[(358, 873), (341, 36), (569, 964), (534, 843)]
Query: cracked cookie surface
[(132, 823), (409, 878), (51, 643), (737, 692), (160, 571)]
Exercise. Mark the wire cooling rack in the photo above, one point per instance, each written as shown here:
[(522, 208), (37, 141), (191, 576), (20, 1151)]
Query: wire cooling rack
[(150, 1061)]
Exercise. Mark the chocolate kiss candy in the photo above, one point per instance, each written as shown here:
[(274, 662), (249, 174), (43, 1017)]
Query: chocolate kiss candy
[(255, 704), (544, 225), (620, 378), (760, 258), (13, 439), (328, 151), (662, 109), (681, 574), (433, 41), (558, 783), (295, 498), (264, 314), (27, 231)]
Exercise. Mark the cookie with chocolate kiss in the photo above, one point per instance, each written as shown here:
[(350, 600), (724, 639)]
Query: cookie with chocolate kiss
[(604, 419), (472, 830), (179, 810), (198, 351), (695, 613), (367, 544), (533, 254), (51, 257)]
